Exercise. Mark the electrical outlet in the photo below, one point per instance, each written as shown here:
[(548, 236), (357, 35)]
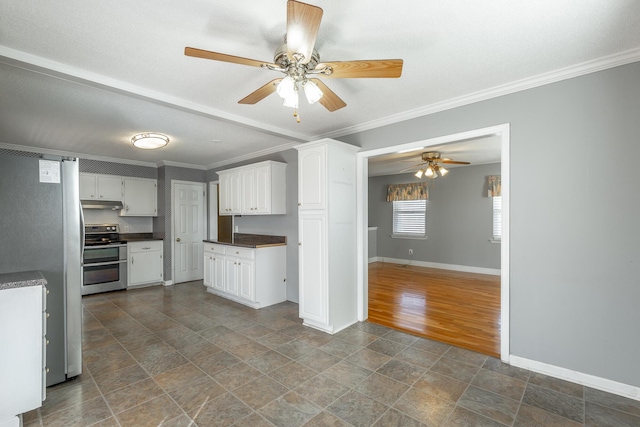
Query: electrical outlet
[(410, 251)]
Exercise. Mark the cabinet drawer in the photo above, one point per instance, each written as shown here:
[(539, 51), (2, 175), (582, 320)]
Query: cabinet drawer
[(145, 246), (241, 252)]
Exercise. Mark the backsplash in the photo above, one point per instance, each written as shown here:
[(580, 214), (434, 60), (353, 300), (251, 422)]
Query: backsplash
[(127, 224)]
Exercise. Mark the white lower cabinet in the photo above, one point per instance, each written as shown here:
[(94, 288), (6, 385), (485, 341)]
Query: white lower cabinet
[(254, 277), (145, 263)]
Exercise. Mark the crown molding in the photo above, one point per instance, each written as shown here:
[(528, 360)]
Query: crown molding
[(588, 67), (253, 155), (180, 165)]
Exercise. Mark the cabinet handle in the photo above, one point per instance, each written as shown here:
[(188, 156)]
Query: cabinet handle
[(47, 291), (178, 239), (299, 204), (46, 370), (47, 342), (47, 315), (299, 243), (146, 248), (131, 260), (101, 196), (127, 208)]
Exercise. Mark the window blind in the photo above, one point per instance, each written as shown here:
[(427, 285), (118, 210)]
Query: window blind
[(409, 217), (497, 217)]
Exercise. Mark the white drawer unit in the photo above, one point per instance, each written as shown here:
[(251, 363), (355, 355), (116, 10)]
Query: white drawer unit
[(145, 263), (252, 276)]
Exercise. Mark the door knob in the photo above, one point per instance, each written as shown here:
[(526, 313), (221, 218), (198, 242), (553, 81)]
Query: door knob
[(177, 239)]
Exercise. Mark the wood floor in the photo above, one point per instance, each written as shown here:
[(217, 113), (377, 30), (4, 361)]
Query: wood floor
[(462, 309)]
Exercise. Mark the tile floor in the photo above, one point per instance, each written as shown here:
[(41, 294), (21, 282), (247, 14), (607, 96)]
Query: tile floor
[(178, 356)]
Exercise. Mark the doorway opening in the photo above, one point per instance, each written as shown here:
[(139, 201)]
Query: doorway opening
[(501, 132)]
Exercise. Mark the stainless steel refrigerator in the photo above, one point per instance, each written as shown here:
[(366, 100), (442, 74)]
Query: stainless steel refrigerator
[(40, 219)]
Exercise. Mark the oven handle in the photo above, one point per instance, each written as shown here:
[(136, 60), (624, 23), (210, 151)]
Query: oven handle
[(118, 245), (98, 264)]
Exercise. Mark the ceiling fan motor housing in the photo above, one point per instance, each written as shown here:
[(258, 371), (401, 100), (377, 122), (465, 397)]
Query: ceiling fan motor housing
[(294, 69)]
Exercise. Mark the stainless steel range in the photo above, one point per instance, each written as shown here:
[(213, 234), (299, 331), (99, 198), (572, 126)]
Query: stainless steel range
[(104, 259)]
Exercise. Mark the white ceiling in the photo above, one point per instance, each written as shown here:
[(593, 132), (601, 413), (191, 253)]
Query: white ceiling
[(83, 76)]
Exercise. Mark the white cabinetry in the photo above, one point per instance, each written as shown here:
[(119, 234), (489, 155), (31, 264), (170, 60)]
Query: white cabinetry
[(145, 262), (257, 189), (327, 234), (230, 193), (254, 277), (23, 355), (140, 197), (100, 187)]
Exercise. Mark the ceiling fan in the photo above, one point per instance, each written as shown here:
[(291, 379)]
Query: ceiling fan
[(430, 167), (300, 63)]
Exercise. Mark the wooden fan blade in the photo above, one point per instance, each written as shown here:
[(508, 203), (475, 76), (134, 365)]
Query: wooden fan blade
[(329, 100), (453, 162), (260, 94), (383, 68), (199, 53), (303, 23)]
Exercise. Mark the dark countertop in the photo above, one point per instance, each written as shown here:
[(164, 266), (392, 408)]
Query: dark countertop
[(252, 240), (21, 279), (140, 237)]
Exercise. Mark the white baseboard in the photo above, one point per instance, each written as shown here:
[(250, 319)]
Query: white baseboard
[(168, 282), (373, 259), (453, 267), (588, 380)]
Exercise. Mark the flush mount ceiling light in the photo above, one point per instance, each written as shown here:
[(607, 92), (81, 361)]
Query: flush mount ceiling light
[(149, 141)]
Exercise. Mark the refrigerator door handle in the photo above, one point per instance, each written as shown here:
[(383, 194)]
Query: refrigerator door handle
[(81, 233)]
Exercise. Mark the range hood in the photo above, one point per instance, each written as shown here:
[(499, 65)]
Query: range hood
[(101, 204)]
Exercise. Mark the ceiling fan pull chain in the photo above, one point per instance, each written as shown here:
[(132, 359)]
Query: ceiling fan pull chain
[(296, 115)]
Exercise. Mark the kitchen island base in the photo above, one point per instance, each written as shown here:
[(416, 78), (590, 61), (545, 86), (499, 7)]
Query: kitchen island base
[(255, 277)]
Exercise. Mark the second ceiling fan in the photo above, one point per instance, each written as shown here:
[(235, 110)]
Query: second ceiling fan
[(300, 63)]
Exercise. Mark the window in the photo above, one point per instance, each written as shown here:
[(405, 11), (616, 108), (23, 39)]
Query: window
[(409, 218), (497, 217)]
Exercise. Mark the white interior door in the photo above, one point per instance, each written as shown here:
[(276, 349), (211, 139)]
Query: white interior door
[(188, 231)]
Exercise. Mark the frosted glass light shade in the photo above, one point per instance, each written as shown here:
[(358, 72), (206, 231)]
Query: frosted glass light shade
[(149, 141), (311, 91)]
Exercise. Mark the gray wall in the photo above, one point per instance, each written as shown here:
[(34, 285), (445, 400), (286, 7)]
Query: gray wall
[(459, 219), (575, 251), (280, 225)]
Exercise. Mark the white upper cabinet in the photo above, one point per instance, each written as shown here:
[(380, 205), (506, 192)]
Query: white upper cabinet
[(257, 189), (312, 180), (230, 193), (140, 197), (100, 187)]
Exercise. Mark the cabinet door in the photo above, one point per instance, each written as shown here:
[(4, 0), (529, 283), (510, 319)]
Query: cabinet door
[(246, 283), (230, 275), (223, 189), (235, 189), (208, 267), (217, 273), (110, 188), (88, 187), (140, 197), (313, 273), (312, 178), (248, 191), (262, 189), (145, 267)]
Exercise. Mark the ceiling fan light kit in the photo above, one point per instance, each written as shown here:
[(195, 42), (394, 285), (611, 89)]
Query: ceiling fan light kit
[(432, 169), (298, 60), (149, 140)]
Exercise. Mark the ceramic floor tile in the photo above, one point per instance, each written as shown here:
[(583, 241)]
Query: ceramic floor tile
[(500, 384), (178, 377), (318, 360), (133, 395), (83, 414), (325, 419), (466, 356), (268, 361), (496, 365), (431, 346), (602, 416), (402, 371), (321, 390), (253, 420), (463, 417), (357, 409), (613, 401), (292, 374), (426, 408), (384, 346), (290, 410), (530, 416), (562, 386), (441, 386), (418, 357), (260, 391), (347, 373), (69, 394), (150, 414), (236, 376), (121, 378), (340, 348), (491, 405), (555, 402), (195, 396), (401, 337), (382, 388), (368, 359), (394, 418), (455, 369)]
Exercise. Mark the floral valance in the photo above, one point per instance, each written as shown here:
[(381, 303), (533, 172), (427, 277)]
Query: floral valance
[(495, 186), (410, 191)]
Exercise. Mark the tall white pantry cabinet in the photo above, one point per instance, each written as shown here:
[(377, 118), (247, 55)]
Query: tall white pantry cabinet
[(327, 234)]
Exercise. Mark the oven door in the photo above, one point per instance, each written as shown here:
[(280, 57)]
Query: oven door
[(104, 269)]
